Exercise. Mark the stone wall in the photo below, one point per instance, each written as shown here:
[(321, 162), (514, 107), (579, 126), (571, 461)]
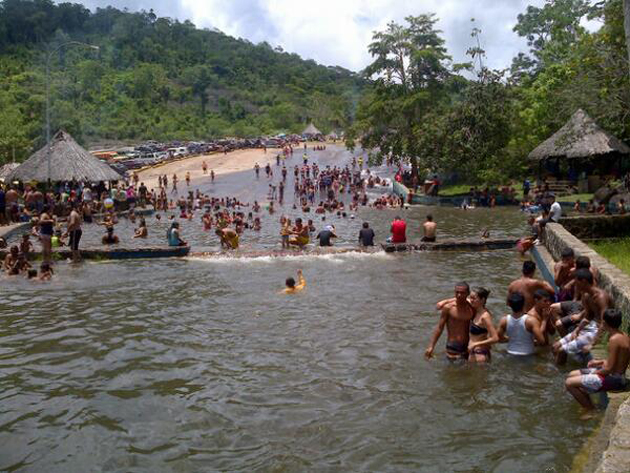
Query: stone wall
[(615, 281), (597, 226), (11, 231), (616, 457)]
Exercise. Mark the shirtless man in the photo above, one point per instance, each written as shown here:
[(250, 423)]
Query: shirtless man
[(456, 318), (569, 313), (229, 238), (581, 262), (74, 232), (542, 309), (527, 285), (594, 303), (11, 201), (292, 288), (603, 375), (562, 272), (11, 260), (430, 229)]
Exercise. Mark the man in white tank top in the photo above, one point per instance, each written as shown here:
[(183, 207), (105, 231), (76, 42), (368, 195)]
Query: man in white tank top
[(520, 331)]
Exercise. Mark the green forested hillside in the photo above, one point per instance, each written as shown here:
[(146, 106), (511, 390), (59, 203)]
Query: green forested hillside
[(153, 78)]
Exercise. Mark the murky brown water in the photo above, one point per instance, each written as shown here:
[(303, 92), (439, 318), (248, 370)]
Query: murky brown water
[(200, 365)]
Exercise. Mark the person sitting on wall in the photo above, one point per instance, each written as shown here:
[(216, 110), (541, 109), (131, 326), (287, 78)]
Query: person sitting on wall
[(591, 304), (603, 375), (563, 273)]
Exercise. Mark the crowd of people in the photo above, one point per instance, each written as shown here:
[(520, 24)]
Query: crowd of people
[(58, 214), (565, 321)]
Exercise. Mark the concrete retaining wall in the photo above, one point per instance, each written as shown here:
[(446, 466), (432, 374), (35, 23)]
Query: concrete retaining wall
[(10, 231), (616, 457), (597, 226)]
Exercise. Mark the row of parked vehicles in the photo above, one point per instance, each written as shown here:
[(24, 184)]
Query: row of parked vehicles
[(153, 152)]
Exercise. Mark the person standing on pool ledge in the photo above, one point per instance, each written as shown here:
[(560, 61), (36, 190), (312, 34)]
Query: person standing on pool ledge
[(456, 317)]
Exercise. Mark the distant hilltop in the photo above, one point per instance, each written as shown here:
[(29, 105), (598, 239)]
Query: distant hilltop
[(154, 78)]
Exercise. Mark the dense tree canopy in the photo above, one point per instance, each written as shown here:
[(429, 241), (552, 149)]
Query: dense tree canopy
[(484, 128), (153, 78), (164, 79)]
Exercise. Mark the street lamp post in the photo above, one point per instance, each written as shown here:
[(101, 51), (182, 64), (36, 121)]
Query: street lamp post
[(48, 58)]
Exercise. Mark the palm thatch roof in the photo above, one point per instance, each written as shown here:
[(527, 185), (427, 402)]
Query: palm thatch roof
[(6, 169), (580, 137), (68, 160), (311, 130)]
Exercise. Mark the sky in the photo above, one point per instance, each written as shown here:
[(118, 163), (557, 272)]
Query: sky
[(338, 32)]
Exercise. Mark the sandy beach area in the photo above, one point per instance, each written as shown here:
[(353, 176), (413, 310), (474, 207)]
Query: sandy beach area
[(239, 160)]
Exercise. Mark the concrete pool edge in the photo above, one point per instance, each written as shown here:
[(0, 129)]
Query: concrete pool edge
[(608, 449), (10, 231)]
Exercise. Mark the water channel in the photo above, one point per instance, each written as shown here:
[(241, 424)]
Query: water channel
[(201, 365)]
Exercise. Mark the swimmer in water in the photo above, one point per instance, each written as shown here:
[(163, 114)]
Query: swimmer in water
[(109, 238), (141, 231), (45, 272), (292, 288)]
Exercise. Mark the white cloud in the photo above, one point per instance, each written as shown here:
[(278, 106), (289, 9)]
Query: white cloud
[(338, 32)]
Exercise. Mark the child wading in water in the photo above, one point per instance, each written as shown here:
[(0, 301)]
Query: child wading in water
[(285, 232)]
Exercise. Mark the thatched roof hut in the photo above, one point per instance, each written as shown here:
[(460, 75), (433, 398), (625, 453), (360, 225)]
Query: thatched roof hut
[(311, 130), (580, 137), (6, 169), (68, 160)]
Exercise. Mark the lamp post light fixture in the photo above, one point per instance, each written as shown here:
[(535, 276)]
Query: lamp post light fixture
[(48, 58)]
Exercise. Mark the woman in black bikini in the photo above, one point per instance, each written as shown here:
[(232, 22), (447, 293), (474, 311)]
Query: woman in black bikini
[(46, 225), (482, 331)]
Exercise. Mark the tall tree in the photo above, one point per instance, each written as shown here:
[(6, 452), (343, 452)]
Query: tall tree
[(551, 30), (409, 71), (469, 135)]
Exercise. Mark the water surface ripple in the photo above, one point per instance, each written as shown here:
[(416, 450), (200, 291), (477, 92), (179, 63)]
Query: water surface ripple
[(198, 365)]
